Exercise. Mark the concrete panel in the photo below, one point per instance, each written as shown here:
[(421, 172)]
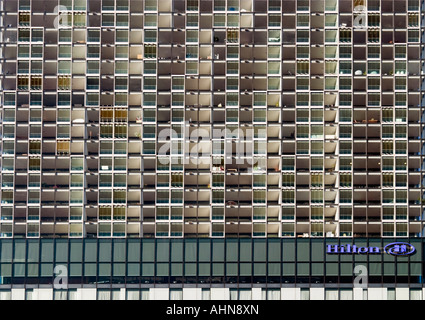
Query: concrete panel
[(289, 294), (220, 294), (44, 294), (86, 294), (317, 293), (159, 294), (192, 293), (256, 294), (402, 293), (18, 294), (377, 293), (358, 294)]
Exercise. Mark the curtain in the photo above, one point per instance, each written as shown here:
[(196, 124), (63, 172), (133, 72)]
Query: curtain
[(103, 295), (28, 295), (346, 294), (133, 294), (72, 295), (116, 294), (5, 295), (233, 294), (245, 294), (60, 295), (305, 294), (176, 294), (144, 294), (206, 294), (331, 294), (415, 294), (273, 294)]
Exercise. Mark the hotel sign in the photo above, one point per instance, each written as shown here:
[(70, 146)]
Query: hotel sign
[(394, 249)]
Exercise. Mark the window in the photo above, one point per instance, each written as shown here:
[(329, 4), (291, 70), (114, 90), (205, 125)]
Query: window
[(303, 52), (302, 20), (176, 294), (288, 196), (103, 294), (150, 51), (374, 51), (232, 35), (316, 180), (274, 20), (60, 295)]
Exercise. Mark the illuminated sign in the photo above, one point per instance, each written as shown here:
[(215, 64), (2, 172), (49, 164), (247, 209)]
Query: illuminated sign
[(399, 249), (394, 249)]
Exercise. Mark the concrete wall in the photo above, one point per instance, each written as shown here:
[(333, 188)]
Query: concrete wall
[(318, 293)]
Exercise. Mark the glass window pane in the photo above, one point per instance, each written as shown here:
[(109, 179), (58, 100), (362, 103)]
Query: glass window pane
[(204, 269), (317, 269), (231, 250), (231, 269), (105, 251), (19, 252), (190, 250), (218, 250), (162, 250), (177, 250), (303, 269), (288, 251), (317, 251), (245, 250), (288, 269), (61, 251), (46, 270), (204, 250), (148, 251), (76, 251), (119, 269), (259, 250), (259, 269), (6, 251), (303, 251), (33, 251), (90, 251), (90, 269), (119, 251), (19, 269), (245, 269), (190, 269), (46, 251), (332, 269), (75, 269), (104, 270), (274, 250), (133, 251)]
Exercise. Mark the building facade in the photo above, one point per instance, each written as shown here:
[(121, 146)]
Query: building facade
[(280, 125)]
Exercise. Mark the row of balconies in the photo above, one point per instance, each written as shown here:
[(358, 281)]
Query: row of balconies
[(233, 198), (210, 52), (162, 115), (257, 6), (137, 165)]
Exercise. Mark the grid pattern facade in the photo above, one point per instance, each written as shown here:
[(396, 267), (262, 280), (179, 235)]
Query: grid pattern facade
[(245, 269), (250, 118), (205, 262)]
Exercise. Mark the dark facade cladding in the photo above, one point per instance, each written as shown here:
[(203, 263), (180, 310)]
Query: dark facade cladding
[(204, 262)]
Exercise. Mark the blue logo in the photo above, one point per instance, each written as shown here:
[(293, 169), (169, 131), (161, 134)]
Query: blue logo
[(399, 249)]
